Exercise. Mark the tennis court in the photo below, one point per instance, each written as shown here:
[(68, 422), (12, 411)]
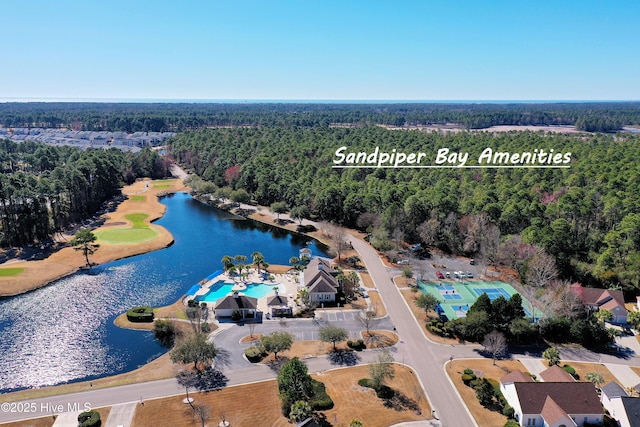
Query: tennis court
[(456, 298)]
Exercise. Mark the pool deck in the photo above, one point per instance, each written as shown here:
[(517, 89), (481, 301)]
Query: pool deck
[(287, 280)]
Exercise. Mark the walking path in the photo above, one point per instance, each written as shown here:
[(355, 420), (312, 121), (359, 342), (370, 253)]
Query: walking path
[(67, 419), (121, 415), (427, 358)]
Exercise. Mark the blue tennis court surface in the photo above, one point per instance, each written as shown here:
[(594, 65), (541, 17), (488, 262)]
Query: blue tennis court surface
[(492, 293), (456, 298)]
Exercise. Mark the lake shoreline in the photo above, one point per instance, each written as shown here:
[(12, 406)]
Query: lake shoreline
[(66, 261)]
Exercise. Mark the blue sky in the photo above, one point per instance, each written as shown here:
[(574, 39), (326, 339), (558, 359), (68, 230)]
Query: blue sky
[(319, 50)]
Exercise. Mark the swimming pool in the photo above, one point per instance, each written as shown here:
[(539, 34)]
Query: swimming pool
[(221, 289)]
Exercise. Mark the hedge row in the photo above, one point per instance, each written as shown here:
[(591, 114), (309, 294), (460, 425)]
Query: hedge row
[(140, 314)]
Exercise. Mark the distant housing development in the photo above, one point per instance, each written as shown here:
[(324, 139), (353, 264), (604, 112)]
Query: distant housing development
[(87, 139)]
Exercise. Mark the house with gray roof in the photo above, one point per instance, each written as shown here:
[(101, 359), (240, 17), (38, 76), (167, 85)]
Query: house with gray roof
[(279, 305), (623, 408), (246, 306), (319, 278)]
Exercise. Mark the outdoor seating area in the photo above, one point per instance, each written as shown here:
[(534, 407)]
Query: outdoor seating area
[(274, 293)]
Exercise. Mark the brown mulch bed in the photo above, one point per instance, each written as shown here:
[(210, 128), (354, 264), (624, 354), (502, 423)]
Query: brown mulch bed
[(379, 338)]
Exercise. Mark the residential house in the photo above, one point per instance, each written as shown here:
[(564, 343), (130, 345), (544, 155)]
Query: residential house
[(246, 306), (319, 278), (551, 404), (599, 299), (624, 409)]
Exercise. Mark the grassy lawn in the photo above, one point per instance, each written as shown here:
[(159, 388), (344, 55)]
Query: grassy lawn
[(138, 198), (6, 272), (137, 219), (482, 368), (139, 231), (351, 402), (161, 185)]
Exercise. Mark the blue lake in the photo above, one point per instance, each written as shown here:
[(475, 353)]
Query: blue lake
[(64, 332)]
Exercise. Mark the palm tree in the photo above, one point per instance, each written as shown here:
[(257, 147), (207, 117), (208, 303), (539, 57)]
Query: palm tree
[(227, 262), (258, 259), (596, 378), (240, 259)]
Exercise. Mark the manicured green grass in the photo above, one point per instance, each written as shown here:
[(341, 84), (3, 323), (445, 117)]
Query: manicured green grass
[(6, 272), (139, 231), (159, 181), (138, 198), (138, 220), (161, 185)]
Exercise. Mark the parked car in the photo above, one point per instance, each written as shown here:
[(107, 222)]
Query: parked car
[(472, 262), (448, 275), (403, 262), (439, 274), (469, 275)]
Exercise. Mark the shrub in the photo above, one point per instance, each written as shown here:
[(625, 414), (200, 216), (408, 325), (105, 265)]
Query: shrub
[(205, 327), (571, 371), (140, 314), (466, 378), (508, 411), (357, 345), (236, 315), (511, 423), (192, 303), (320, 400), (254, 354), (165, 332), (385, 392), (89, 419), (468, 372), (365, 382)]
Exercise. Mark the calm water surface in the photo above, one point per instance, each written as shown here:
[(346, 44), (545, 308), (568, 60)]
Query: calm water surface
[(64, 332)]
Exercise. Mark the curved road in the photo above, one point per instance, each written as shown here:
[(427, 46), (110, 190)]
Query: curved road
[(427, 358)]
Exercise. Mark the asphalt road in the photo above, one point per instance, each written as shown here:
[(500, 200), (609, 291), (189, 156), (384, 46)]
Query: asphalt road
[(426, 358)]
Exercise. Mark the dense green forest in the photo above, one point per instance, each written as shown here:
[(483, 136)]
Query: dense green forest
[(586, 217), (132, 117), (43, 189)]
